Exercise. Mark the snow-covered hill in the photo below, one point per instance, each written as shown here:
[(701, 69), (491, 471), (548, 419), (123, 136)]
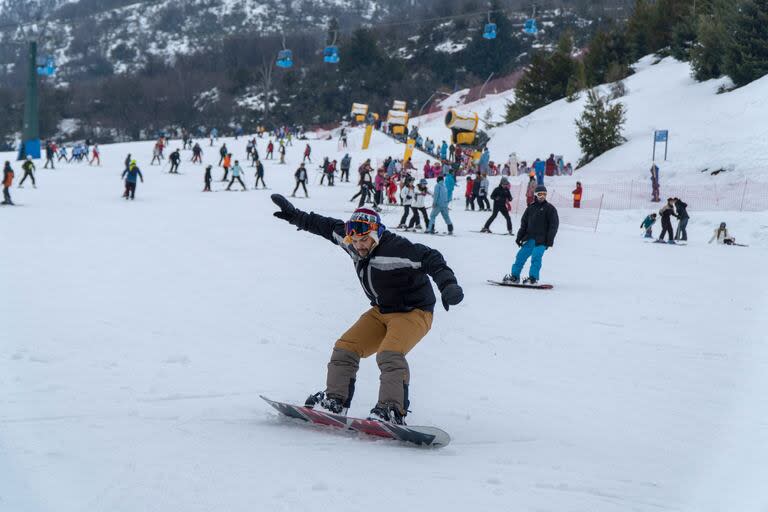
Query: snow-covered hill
[(137, 336), (706, 129)]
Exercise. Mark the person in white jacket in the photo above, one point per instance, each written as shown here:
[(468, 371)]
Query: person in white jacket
[(722, 236), (419, 206), (406, 197), (513, 164)]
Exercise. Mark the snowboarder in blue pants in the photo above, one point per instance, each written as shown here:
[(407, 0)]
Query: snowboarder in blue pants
[(439, 206), (538, 228)]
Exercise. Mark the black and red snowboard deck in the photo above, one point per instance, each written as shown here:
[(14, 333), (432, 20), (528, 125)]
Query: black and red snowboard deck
[(416, 435)]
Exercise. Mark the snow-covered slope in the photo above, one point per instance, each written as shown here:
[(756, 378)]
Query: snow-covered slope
[(706, 129), (137, 336)]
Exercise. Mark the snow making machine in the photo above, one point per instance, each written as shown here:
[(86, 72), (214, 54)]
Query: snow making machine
[(398, 122), (464, 130), (359, 112)]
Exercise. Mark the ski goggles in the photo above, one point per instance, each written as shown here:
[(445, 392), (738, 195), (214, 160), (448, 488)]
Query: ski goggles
[(360, 227), (540, 194)]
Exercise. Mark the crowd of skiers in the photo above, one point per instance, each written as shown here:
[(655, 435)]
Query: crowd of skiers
[(393, 182)]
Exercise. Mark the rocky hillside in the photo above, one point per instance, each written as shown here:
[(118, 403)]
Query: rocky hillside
[(211, 62)]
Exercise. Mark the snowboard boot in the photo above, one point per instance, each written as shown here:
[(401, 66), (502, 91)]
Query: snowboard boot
[(450, 229), (386, 413), (330, 404), (509, 278), (530, 280)]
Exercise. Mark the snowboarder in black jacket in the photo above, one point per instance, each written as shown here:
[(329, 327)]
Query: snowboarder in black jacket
[(682, 216), (174, 158), (667, 211), (207, 179), (538, 228), (394, 274), (500, 197)]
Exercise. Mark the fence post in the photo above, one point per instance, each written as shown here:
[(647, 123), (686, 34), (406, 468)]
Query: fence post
[(599, 209), (743, 195)]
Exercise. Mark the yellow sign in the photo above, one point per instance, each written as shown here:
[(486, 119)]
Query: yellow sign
[(367, 136), (409, 149)]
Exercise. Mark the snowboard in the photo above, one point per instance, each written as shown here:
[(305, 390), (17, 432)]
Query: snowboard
[(415, 435), (522, 285), (492, 233)]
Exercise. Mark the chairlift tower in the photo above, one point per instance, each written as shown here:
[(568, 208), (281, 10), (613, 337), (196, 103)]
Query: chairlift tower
[(30, 134)]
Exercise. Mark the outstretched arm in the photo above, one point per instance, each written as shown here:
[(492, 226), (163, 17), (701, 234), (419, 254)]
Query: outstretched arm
[(327, 227)]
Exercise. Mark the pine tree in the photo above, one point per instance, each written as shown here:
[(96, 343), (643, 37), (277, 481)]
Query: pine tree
[(532, 91), (545, 80), (605, 50), (747, 55), (599, 127)]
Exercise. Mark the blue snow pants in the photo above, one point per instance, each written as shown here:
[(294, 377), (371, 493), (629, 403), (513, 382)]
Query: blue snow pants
[(529, 250), (433, 215)]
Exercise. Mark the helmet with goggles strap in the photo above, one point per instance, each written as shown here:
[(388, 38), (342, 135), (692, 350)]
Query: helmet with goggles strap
[(364, 222)]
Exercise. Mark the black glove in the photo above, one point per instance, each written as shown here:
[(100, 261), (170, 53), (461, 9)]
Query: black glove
[(517, 241), (452, 295), (287, 210)]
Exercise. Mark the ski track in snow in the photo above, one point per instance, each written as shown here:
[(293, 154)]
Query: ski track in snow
[(137, 337)]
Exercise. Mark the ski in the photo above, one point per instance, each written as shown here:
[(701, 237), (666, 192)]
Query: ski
[(415, 435)]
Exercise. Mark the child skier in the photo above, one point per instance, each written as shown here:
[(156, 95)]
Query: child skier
[(647, 225)]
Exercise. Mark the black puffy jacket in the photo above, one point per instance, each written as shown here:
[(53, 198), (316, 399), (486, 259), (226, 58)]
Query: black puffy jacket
[(500, 196), (539, 223), (395, 274)]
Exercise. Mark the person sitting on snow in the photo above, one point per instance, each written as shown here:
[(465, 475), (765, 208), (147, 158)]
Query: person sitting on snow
[(722, 236)]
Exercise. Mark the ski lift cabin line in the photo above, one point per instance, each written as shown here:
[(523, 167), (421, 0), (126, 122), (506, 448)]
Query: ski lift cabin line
[(530, 24), (490, 29), (284, 57), (331, 52)]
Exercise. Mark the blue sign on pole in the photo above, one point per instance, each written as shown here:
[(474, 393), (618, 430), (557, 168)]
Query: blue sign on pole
[(662, 135)]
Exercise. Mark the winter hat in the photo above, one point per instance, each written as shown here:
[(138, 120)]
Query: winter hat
[(504, 180), (365, 216), (540, 188)]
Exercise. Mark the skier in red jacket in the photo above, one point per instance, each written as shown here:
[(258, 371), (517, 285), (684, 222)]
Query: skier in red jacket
[(550, 166), (577, 195)]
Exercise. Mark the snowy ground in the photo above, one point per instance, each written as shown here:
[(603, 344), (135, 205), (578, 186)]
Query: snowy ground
[(137, 337)]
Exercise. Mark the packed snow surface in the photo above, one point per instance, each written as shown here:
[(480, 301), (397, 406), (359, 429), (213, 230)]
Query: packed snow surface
[(138, 335)]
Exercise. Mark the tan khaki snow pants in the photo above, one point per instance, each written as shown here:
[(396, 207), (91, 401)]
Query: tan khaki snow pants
[(388, 335)]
